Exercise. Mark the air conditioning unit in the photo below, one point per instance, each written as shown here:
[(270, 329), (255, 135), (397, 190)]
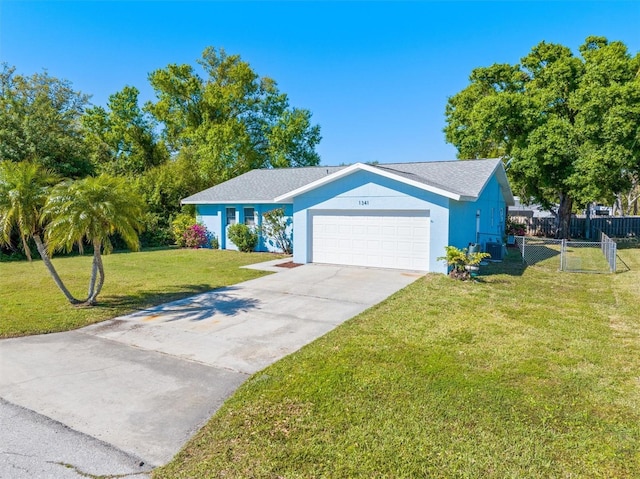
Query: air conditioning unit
[(495, 250)]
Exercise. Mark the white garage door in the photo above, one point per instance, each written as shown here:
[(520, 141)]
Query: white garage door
[(376, 239)]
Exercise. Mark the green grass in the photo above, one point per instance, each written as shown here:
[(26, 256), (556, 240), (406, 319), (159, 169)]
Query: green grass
[(30, 303), (586, 259), (528, 373)]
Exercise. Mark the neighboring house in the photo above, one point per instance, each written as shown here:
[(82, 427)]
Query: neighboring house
[(528, 211), (389, 215)]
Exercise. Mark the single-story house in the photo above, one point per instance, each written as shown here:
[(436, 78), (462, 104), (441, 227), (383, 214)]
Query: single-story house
[(398, 215)]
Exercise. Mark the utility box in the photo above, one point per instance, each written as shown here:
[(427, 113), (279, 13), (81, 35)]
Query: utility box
[(495, 250)]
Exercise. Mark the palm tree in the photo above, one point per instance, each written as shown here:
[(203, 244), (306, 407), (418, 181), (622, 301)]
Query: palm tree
[(92, 209), (23, 192)]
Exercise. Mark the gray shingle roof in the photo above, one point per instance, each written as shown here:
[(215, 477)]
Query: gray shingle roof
[(464, 178), (261, 186)]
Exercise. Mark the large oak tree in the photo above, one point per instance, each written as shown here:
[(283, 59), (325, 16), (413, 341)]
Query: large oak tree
[(567, 125)]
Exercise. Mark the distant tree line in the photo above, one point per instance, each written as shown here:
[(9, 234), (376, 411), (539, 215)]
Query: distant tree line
[(202, 129)]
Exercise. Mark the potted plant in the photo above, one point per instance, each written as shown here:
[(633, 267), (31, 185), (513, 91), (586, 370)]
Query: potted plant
[(461, 262)]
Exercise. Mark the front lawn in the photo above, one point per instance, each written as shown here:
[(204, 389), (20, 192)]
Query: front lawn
[(529, 373), (30, 302)]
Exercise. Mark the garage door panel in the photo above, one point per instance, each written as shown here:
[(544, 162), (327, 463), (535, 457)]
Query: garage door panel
[(376, 239)]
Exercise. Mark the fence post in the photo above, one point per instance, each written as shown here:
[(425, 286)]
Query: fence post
[(613, 250), (563, 255)]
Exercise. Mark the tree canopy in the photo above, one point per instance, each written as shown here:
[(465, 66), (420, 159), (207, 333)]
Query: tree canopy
[(568, 126), (23, 191), (40, 122), (232, 120), (121, 139)]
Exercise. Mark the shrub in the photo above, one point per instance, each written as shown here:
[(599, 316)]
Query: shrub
[(245, 238), (179, 227), (215, 243), (274, 227), (515, 228), (196, 236), (459, 259), (157, 231)]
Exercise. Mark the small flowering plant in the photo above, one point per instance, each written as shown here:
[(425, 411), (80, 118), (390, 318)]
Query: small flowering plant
[(196, 236), (516, 229)]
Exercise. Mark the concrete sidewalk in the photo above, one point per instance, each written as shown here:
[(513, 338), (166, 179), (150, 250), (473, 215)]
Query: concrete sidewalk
[(144, 383)]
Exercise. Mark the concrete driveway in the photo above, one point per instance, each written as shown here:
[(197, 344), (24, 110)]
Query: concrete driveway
[(135, 388)]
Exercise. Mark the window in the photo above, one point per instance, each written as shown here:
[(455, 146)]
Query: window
[(250, 216), (231, 216)]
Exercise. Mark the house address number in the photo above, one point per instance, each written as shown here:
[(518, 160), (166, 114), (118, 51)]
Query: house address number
[(363, 202)]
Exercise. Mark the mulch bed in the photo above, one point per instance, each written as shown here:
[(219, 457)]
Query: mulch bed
[(289, 264)]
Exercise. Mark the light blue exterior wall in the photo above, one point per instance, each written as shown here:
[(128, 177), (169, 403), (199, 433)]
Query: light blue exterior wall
[(362, 191), (215, 219), (479, 221), (462, 225)]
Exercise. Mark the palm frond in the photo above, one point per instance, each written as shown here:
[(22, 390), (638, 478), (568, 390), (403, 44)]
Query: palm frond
[(23, 190), (91, 209)]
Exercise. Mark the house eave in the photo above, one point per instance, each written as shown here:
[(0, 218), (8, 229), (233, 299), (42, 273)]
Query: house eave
[(234, 202)]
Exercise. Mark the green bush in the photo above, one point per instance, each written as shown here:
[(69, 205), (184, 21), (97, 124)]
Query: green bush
[(180, 225), (245, 238), (275, 228), (157, 231)]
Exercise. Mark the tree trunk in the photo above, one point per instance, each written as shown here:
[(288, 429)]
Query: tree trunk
[(564, 216), (52, 271), (98, 267), (27, 251), (94, 276)]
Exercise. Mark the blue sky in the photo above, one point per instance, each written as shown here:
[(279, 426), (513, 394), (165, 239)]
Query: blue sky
[(376, 75)]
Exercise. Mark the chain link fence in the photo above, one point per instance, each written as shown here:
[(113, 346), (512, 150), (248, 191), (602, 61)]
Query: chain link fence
[(536, 250), (570, 256)]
